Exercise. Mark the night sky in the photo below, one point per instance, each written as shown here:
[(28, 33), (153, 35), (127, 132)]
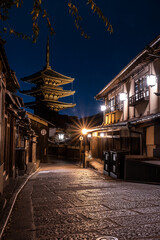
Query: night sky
[(94, 62)]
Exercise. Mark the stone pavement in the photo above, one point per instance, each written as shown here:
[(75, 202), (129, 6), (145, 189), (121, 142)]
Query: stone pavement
[(96, 164), (70, 203)]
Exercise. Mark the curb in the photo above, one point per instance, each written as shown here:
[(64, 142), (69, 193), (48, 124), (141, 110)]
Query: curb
[(13, 202)]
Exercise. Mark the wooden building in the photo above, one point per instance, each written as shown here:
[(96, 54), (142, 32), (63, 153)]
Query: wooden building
[(132, 109), (8, 115), (15, 129), (48, 90), (42, 129)]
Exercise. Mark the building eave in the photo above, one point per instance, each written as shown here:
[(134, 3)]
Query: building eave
[(127, 124), (142, 55)]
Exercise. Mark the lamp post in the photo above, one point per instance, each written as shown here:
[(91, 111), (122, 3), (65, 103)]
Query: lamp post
[(84, 132), (81, 140)]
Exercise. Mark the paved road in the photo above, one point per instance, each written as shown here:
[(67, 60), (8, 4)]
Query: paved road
[(65, 202)]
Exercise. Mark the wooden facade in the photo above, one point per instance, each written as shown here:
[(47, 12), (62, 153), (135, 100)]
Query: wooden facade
[(41, 128), (132, 115), (16, 134)]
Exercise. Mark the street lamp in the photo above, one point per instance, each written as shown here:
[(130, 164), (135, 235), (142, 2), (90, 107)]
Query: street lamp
[(84, 132)]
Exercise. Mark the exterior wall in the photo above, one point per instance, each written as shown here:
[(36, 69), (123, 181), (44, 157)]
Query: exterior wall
[(9, 148), (150, 141), (27, 150), (142, 109), (153, 103), (12, 148), (42, 141), (2, 126), (149, 104), (100, 144), (1, 178), (131, 92), (157, 70), (34, 152), (125, 104)]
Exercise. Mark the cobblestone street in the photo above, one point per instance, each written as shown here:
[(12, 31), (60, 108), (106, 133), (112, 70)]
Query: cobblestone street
[(68, 202)]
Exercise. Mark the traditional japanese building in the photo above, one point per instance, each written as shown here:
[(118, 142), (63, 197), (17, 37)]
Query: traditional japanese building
[(16, 135), (48, 90), (131, 124)]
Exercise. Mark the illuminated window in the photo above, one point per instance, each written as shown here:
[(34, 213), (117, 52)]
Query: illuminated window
[(141, 84)]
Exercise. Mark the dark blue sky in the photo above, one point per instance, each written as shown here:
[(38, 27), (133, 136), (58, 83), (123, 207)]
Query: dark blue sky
[(94, 62)]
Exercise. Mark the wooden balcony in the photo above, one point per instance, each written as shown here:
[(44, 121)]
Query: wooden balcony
[(113, 117), (139, 97)]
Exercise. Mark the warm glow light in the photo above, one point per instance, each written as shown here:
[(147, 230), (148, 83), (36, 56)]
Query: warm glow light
[(61, 136), (123, 96), (84, 131), (89, 135), (151, 80), (101, 134), (103, 107), (95, 134)]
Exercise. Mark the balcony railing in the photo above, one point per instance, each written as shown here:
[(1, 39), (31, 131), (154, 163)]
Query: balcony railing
[(139, 97), (113, 117)]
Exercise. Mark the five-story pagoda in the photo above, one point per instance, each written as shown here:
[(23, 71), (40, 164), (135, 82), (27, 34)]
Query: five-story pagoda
[(48, 90)]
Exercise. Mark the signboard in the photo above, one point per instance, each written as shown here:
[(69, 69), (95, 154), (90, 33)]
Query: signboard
[(81, 138), (43, 132)]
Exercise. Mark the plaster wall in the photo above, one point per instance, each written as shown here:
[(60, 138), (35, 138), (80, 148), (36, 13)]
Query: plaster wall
[(142, 109), (131, 93), (150, 141), (153, 99), (157, 71)]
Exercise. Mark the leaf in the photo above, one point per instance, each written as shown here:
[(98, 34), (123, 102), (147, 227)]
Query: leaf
[(44, 13), (69, 4), (32, 12), (92, 6)]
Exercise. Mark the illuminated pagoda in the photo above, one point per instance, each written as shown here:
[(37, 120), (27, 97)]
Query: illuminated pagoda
[(47, 91)]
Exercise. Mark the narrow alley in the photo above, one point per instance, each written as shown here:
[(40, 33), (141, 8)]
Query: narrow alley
[(63, 201)]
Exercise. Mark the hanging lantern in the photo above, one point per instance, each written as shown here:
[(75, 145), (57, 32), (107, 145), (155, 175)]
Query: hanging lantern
[(151, 80), (123, 96)]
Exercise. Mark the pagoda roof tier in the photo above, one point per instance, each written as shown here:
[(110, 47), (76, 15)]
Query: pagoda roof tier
[(47, 92), (53, 105), (48, 75)]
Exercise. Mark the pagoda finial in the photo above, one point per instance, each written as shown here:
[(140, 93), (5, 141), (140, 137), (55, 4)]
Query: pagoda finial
[(47, 54)]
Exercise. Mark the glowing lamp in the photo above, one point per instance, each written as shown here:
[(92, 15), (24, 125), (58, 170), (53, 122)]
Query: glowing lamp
[(103, 107), (123, 96), (84, 131), (89, 135), (151, 80), (61, 136), (101, 134)]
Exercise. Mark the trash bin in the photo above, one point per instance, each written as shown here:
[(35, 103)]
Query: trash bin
[(107, 162), (117, 163), (20, 161)]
